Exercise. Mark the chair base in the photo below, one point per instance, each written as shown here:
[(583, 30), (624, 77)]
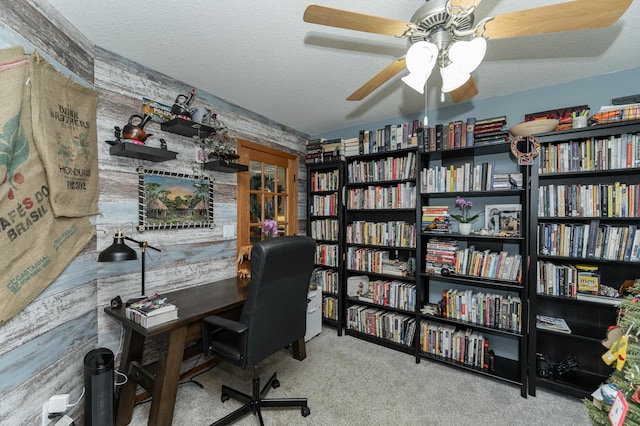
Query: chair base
[(254, 403)]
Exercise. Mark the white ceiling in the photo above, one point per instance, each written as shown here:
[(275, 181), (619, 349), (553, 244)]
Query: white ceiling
[(262, 56)]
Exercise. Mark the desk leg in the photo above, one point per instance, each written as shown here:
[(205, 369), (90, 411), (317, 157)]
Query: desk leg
[(131, 351), (166, 384), (299, 349)]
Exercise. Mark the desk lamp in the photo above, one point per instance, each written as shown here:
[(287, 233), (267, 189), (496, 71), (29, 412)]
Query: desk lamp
[(119, 251)]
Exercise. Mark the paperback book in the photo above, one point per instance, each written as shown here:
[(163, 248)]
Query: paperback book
[(152, 311)]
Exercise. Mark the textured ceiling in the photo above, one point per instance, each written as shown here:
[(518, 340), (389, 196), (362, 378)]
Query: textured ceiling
[(263, 57)]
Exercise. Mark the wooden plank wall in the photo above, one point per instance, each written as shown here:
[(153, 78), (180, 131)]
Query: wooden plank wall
[(43, 347)]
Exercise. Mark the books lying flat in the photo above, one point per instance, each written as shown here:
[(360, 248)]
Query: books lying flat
[(152, 311), (544, 322)]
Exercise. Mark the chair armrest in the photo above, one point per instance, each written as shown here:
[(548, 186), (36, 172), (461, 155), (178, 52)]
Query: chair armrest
[(214, 326), (212, 322)]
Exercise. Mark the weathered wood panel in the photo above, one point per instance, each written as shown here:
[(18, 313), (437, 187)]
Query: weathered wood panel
[(43, 347), (60, 41)]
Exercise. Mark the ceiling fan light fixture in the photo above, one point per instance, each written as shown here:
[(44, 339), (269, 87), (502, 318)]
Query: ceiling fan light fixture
[(468, 55), (453, 77), (420, 60)]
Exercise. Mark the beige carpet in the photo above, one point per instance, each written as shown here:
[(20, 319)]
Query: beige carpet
[(351, 382)]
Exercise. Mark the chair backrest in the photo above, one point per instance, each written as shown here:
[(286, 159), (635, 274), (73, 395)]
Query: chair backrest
[(276, 306)]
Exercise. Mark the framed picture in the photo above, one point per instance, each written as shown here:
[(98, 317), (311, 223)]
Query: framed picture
[(169, 200), (503, 219)]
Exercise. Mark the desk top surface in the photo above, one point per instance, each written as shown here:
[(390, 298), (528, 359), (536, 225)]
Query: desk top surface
[(194, 303)]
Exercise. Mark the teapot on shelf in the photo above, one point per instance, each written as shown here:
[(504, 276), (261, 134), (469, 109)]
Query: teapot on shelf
[(201, 115), (135, 132), (180, 106)]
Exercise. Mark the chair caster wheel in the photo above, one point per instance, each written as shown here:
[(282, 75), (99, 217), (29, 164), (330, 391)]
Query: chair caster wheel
[(305, 411), (275, 384), (224, 397)]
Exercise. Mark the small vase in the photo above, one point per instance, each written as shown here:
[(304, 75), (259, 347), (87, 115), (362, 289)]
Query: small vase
[(464, 228)]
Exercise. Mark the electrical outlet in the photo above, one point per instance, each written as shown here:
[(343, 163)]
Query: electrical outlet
[(58, 403)]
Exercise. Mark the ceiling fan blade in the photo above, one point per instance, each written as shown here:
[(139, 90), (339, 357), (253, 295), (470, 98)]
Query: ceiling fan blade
[(465, 4), (464, 92), (339, 18), (378, 80), (568, 16)]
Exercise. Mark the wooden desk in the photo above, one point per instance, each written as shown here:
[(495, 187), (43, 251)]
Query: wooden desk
[(224, 297)]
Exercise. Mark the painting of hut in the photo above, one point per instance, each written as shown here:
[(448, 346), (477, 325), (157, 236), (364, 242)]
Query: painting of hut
[(173, 200), (157, 210)]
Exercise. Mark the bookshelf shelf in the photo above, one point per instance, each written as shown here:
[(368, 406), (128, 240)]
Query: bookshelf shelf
[(384, 179), (469, 173), (576, 163), (326, 225)]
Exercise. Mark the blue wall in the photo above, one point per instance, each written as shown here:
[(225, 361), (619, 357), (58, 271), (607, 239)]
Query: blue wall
[(593, 91)]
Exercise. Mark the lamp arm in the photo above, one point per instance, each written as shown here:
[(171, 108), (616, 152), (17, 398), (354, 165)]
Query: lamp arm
[(142, 244)]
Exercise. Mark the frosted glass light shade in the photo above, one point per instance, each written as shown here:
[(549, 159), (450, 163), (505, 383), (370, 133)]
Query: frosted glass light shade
[(420, 60), (415, 81), (468, 55), (453, 77)]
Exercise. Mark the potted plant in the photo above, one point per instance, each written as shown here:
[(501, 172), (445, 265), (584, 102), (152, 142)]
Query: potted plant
[(464, 220)]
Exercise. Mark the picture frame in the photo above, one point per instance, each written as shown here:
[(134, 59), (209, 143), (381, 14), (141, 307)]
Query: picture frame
[(168, 200), (503, 219)]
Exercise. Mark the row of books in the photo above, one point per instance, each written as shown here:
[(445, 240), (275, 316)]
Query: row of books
[(152, 311), (400, 196), (376, 261), (445, 254), (327, 280), (324, 205), (459, 134), (488, 309), (467, 177), (556, 280), (391, 137), (326, 229), (585, 200), (327, 255), (330, 308), (590, 241), (325, 181), (592, 153), (324, 150), (391, 234), (487, 264), (392, 326), (465, 346), (394, 294), (389, 168)]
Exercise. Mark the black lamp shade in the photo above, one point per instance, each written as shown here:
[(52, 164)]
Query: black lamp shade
[(117, 252)]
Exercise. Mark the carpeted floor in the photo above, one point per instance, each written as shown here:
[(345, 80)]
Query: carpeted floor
[(351, 382)]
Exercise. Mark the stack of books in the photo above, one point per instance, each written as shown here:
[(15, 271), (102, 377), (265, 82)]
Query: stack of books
[(435, 219), (490, 130), (440, 255), (152, 311), (545, 322), (324, 150)]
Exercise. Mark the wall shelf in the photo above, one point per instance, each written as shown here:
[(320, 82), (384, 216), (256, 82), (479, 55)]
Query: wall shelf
[(187, 128), (224, 166), (142, 152)]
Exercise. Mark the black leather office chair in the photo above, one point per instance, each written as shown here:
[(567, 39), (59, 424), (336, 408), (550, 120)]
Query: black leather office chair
[(273, 317)]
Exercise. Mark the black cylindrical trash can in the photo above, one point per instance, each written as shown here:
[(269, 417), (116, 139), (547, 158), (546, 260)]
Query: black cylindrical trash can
[(98, 384)]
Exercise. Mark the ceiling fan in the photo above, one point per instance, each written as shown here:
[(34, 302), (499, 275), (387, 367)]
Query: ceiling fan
[(443, 32)]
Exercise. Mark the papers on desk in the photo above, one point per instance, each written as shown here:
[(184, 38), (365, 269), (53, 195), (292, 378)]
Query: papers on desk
[(152, 311)]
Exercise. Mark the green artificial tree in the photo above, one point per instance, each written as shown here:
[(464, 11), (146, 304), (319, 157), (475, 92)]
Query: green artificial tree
[(627, 378)]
